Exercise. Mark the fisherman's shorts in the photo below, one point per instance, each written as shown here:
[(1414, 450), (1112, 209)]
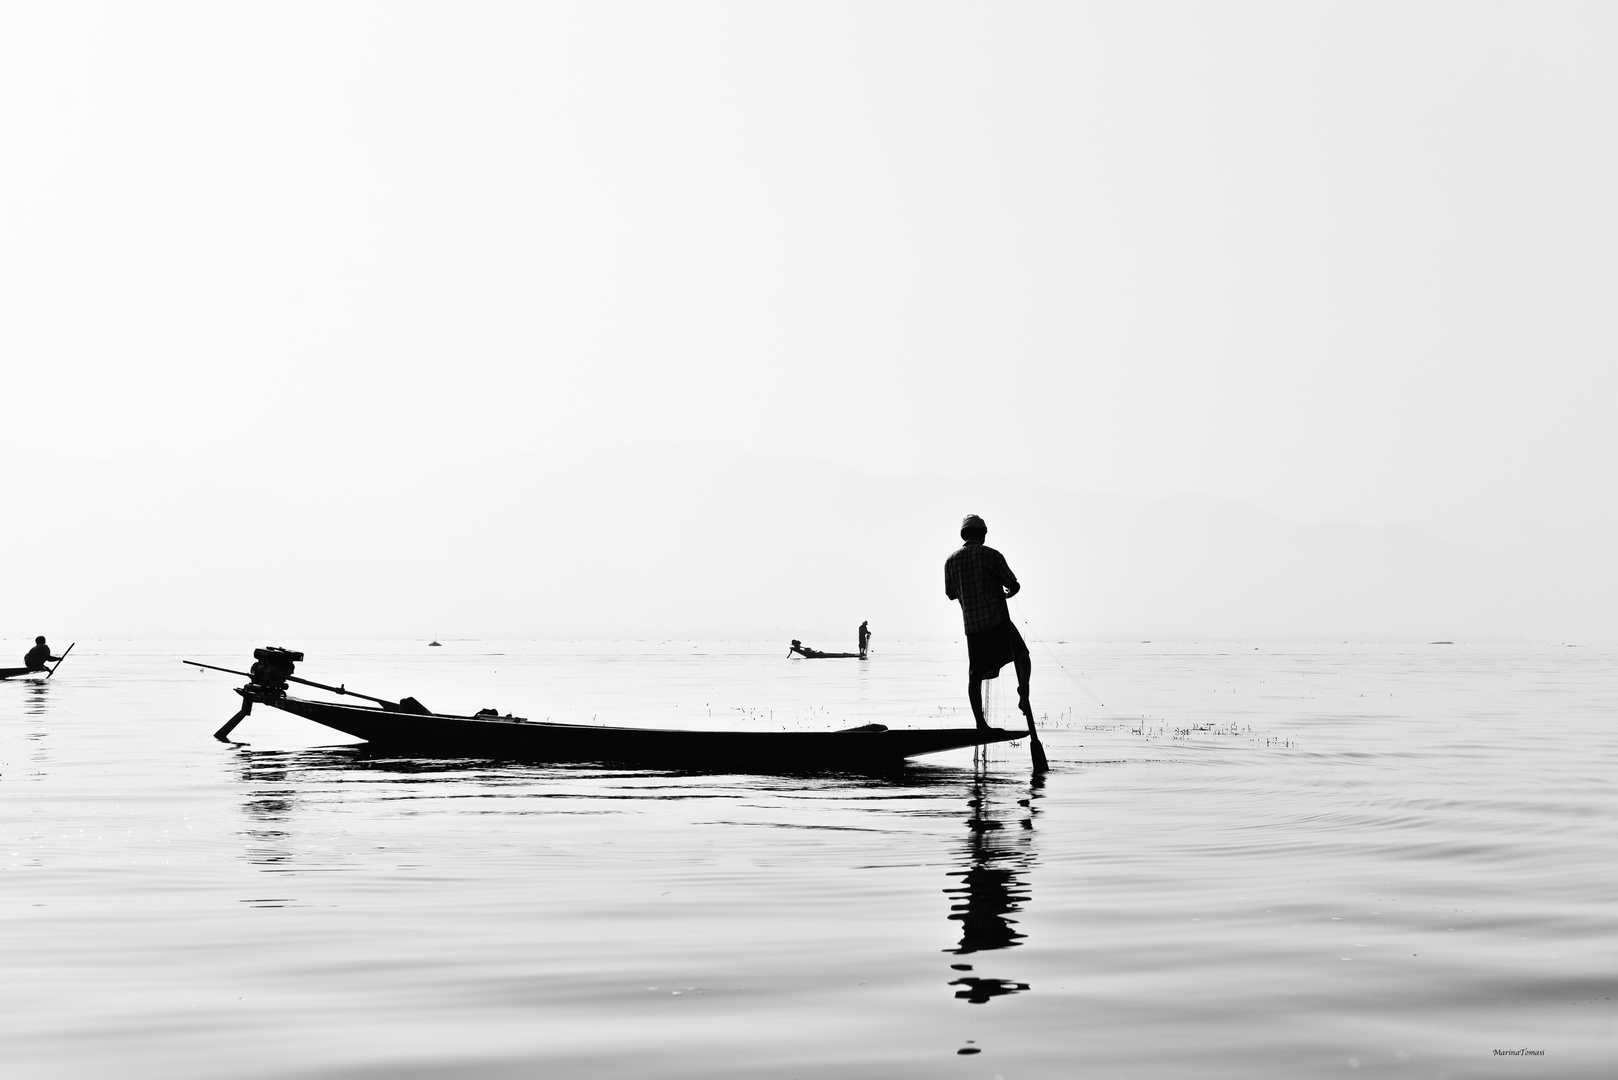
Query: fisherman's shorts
[(990, 650)]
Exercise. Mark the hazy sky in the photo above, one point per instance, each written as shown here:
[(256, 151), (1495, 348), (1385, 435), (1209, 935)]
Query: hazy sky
[(1344, 261)]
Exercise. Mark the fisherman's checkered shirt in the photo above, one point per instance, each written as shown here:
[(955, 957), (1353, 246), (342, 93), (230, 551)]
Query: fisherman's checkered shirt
[(974, 575)]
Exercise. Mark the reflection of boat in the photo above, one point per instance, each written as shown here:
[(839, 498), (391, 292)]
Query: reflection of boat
[(37, 703), (410, 727)]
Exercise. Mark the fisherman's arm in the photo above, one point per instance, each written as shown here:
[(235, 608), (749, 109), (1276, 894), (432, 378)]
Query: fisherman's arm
[(1006, 578)]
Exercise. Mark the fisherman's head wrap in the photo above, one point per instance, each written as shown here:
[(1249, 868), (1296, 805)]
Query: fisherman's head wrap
[(972, 524)]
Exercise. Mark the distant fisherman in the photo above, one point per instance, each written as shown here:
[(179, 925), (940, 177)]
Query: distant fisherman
[(979, 578), (865, 637), (39, 656)]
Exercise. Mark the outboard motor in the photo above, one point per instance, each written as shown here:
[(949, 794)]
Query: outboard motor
[(271, 668)]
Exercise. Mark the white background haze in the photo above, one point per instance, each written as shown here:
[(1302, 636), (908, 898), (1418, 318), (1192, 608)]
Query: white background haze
[(463, 319)]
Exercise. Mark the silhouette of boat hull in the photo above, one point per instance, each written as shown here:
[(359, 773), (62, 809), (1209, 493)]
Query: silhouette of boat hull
[(816, 654), (438, 735), (13, 672)]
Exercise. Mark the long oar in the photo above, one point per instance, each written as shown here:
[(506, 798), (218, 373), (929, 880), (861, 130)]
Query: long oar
[(1035, 747), (294, 678), (59, 661)]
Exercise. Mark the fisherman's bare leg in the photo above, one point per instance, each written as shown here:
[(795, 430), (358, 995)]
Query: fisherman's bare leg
[(1025, 668), (974, 694)]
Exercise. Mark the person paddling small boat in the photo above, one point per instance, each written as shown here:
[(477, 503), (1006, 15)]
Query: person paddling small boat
[(35, 661)]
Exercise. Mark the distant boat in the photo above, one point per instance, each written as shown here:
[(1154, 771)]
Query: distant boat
[(432, 643), (815, 654), (408, 726)]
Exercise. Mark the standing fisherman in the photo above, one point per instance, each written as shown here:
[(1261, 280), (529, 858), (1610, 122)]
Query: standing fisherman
[(865, 637), (977, 576)]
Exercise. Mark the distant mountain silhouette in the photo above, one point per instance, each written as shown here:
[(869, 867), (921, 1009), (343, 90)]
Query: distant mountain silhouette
[(667, 540)]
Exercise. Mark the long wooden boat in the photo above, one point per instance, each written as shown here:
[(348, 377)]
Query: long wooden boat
[(807, 653), (439, 734), (410, 728)]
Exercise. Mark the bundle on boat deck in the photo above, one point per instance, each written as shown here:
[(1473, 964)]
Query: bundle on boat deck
[(410, 727)]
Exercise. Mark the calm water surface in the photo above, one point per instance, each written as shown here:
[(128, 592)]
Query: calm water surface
[(1286, 861)]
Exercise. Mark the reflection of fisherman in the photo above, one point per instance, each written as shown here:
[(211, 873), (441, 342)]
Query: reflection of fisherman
[(865, 637), (39, 656), (992, 888), (979, 578)]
